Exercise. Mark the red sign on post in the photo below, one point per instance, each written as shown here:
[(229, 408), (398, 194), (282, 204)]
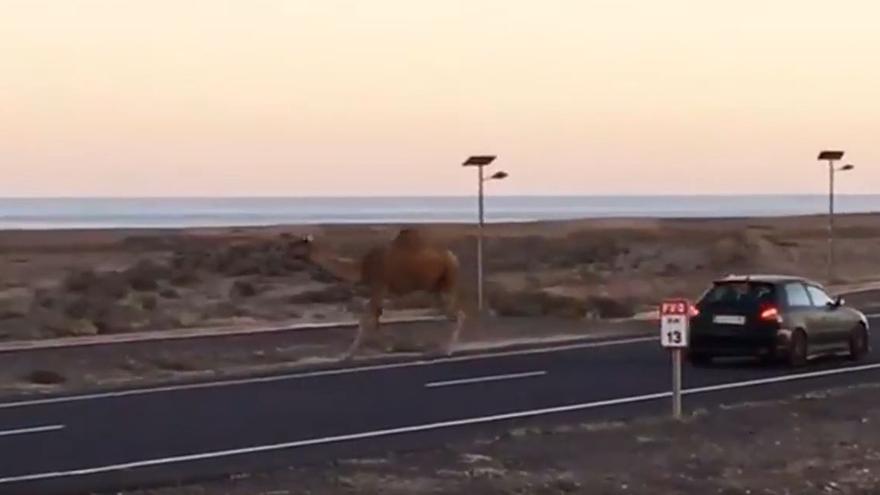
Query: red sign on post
[(674, 323), (674, 307)]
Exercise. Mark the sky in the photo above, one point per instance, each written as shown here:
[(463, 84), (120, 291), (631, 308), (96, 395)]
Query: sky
[(388, 97)]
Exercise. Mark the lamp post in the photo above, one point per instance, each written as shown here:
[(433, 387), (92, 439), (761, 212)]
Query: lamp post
[(481, 161), (832, 156)]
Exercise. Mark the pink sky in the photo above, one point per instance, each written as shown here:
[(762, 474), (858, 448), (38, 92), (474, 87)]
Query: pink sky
[(272, 97)]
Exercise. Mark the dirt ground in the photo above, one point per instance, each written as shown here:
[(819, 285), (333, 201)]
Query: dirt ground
[(71, 283), (818, 443)]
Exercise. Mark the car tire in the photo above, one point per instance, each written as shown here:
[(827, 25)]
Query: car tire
[(798, 349), (858, 342)]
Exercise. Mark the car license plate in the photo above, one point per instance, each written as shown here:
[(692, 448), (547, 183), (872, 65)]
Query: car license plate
[(729, 320)]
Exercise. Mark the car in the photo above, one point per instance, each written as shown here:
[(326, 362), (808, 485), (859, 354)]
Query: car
[(774, 317)]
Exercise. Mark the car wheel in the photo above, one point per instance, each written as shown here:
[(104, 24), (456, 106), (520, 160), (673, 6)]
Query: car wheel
[(798, 351), (858, 342)]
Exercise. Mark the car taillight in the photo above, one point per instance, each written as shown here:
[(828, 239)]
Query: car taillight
[(771, 314)]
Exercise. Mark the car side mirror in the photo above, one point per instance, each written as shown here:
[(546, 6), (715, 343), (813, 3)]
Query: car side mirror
[(839, 301)]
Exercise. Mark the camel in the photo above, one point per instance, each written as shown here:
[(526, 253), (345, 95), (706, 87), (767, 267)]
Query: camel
[(407, 264)]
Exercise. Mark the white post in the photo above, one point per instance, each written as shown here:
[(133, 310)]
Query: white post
[(830, 221), (480, 242), (674, 330), (676, 383)]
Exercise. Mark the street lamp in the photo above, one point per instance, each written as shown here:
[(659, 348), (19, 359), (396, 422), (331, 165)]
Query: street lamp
[(832, 156), (481, 161)]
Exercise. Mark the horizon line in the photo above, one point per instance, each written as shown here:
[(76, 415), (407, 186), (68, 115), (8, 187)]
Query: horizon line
[(443, 196)]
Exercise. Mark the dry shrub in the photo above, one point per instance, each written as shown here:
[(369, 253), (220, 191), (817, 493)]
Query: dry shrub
[(275, 257), (13, 308), (588, 248), (80, 280), (89, 302), (238, 263), (145, 275), (148, 302), (11, 313), (188, 261), (79, 307), (535, 303), (184, 277), (586, 274), (228, 309), (169, 293), (91, 307), (45, 377), (333, 294), (121, 318), (730, 252), (61, 326), (185, 318), (95, 284), (19, 329), (783, 243), (321, 275), (525, 253), (112, 285), (606, 307), (172, 363), (513, 253), (243, 289), (160, 320), (45, 299), (150, 242), (670, 270)]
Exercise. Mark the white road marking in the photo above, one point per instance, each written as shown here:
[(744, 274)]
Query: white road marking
[(873, 315), (422, 427), (490, 378), (35, 429), (781, 379), (314, 374)]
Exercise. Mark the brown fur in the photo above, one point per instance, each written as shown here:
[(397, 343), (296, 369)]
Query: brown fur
[(409, 263)]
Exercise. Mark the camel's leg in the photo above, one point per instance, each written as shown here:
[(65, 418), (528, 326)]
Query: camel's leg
[(369, 321), (456, 314), (359, 337)]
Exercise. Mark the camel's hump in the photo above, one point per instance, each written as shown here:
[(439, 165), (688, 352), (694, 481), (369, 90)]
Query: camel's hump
[(410, 237)]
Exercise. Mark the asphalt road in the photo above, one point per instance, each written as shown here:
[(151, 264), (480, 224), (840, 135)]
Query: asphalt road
[(140, 437)]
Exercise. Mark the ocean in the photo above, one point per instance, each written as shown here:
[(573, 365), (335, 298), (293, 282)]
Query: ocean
[(79, 213)]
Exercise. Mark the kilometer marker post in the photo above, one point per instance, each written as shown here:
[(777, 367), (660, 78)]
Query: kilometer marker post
[(674, 335)]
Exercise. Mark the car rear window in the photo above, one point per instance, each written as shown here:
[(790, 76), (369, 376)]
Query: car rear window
[(739, 294)]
